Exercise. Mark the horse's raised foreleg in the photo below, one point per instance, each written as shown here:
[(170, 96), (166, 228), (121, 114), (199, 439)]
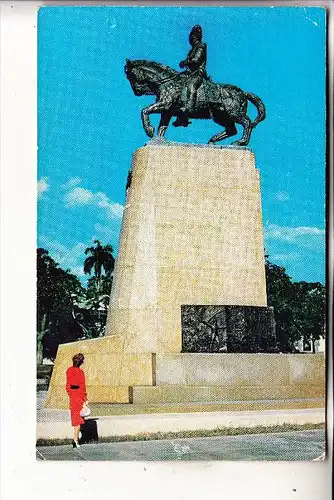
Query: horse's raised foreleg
[(164, 122), (158, 107)]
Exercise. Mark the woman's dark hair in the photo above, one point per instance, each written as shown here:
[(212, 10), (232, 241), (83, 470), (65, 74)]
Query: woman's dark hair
[(78, 359)]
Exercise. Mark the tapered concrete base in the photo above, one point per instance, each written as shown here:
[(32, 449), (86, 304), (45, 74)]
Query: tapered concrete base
[(191, 234)]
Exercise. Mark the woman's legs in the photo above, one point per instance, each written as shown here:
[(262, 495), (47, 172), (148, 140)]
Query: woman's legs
[(76, 419), (76, 434)]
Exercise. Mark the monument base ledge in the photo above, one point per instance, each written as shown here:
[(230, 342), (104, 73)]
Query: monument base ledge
[(118, 377)]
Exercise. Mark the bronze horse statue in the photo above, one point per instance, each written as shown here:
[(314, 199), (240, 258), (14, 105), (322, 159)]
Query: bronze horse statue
[(223, 103)]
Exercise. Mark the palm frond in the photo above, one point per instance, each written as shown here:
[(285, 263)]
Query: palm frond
[(90, 250), (89, 264), (109, 265), (108, 248)]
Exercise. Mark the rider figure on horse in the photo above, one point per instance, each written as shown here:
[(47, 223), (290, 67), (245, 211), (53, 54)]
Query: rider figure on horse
[(196, 66)]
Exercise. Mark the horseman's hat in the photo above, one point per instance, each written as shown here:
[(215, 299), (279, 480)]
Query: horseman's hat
[(197, 31)]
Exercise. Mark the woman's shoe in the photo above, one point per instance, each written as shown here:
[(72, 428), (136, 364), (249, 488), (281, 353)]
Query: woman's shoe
[(75, 444)]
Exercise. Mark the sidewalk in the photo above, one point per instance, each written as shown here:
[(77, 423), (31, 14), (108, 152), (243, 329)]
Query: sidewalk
[(55, 424), (305, 445)]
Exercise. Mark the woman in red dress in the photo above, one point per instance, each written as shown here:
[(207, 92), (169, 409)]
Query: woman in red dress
[(76, 390)]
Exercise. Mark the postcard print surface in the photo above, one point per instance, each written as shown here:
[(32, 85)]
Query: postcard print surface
[(181, 233)]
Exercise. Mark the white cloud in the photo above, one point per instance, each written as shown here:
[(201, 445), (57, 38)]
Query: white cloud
[(284, 257), (106, 232), (67, 257), (312, 238), (291, 234), (113, 210), (282, 196), (42, 186), (80, 196), (71, 183)]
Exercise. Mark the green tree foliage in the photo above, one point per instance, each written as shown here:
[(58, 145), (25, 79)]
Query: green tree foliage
[(281, 295), (299, 307), (99, 257), (102, 299), (57, 293), (97, 299), (310, 311), (99, 286), (66, 311)]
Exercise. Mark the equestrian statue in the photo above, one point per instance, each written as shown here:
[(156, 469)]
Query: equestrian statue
[(192, 94)]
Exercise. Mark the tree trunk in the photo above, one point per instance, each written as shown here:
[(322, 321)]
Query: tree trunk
[(39, 356), (313, 344), (39, 341)]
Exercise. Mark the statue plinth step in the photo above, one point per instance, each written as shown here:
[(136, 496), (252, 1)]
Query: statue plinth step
[(142, 395)]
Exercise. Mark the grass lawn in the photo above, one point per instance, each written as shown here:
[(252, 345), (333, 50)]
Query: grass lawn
[(219, 431)]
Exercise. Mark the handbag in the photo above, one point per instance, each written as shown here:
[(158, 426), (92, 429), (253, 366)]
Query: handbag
[(89, 432), (85, 411)]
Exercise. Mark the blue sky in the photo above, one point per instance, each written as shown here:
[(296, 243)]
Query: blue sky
[(89, 120)]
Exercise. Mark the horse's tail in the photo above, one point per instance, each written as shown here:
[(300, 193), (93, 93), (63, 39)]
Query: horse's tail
[(261, 110)]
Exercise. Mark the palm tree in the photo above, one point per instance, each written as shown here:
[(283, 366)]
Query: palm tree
[(100, 256)]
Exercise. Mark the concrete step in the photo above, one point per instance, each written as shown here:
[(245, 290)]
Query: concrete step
[(42, 387), (42, 384), (218, 393), (269, 375), (44, 371), (208, 407)]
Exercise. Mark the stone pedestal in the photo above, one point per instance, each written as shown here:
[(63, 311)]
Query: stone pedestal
[(191, 236)]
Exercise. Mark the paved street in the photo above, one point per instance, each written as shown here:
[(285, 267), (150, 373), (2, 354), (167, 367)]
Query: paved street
[(301, 445)]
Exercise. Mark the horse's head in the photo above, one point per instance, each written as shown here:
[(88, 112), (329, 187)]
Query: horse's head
[(139, 79), (146, 77)]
